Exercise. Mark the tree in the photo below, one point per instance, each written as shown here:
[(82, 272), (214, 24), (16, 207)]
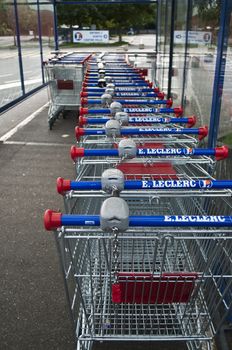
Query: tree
[(118, 17)]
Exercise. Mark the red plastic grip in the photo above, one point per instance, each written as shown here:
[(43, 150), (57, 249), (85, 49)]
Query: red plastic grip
[(156, 89), (202, 132), (52, 220), (82, 121), (84, 101), (83, 93), (84, 84), (84, 89), (160, 95), (83, 111), (169, 103), (191, 121), (77, 152), (221, 152), (63, 185), (79, 132), (178, 111), (150, 84)]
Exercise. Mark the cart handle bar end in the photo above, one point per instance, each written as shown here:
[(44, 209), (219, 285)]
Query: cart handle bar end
[(191, 121), (83, 111), (52, 220), (169, 103), (178, 111), (77, 152), (221, 152), (161, 95), (82, 121), (203, 132), (63, 185)]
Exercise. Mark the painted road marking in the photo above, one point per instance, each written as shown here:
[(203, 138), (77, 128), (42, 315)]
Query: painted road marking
[(13, 131)]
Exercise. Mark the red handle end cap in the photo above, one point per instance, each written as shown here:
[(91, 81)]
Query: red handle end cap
[(169, 103), (83, 93), (62, 185), (77, 152), (203, 132), (52, 220), (83, 111), (82, 121), (84, 101), (79, 132), (221, 152), (178, 111), (191, 121), (161, 95)]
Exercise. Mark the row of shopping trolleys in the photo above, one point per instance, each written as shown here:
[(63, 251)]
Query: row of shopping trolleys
[(145, 239)]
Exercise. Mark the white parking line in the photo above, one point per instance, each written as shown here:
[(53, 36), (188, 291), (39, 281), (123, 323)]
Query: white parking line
[(5, 75), (22, 124), (46, 144)]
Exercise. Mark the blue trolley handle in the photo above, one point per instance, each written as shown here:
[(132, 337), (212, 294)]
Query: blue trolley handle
[(54, 220), (127, 94), (134, 84), (117, 81), (201, 132), (168, 103), (64, 185), (219, 152), (178, 111), (190, 121), (120, 90)]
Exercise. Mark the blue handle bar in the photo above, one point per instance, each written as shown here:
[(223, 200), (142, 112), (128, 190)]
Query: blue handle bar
[(149, 131), (153, 152), (115, 81), (133, 102), (135, 110), (124, 94), (124, 75), (142, 83), (156, 184), (145, 120), (153, 221), (119, 90)]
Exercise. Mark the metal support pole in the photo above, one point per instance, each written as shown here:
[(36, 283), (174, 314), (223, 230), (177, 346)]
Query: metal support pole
[(55, 30), (222, 44), (40, 40), (19, 47), (170, 70), (163, 49), (157, 26), (188, 27), (157, 37)]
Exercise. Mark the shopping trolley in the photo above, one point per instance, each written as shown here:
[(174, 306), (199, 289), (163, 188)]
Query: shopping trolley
[(132, 159), (143, 277), (64, 79)]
